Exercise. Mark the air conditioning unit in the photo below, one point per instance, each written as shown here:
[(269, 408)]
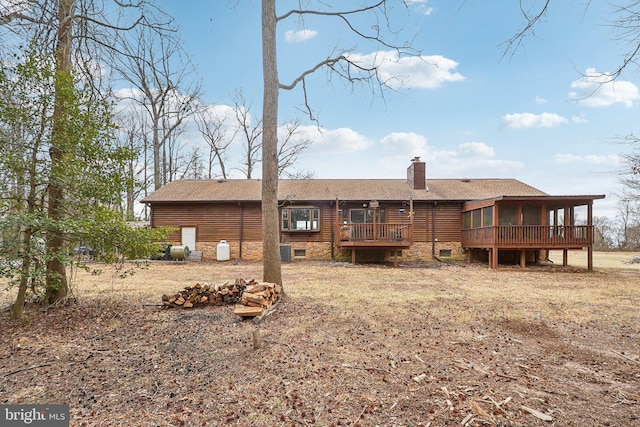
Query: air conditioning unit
[(285, 253)]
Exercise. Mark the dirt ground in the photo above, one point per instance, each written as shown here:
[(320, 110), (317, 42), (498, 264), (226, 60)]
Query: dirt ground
[(363, 345)]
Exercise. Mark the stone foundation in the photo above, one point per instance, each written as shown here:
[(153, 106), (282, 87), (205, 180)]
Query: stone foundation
[(321, 251)]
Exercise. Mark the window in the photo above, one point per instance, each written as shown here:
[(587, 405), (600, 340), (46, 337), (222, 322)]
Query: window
[(301, 219), (477, 218), (365, 216), (299, 253), (507, 215), (466, 220), (487, 216), (445, 253)]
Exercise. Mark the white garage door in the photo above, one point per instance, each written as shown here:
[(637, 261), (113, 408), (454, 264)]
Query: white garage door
[(189, 237)]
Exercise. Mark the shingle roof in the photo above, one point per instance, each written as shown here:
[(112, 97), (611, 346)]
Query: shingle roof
[(344, 189)]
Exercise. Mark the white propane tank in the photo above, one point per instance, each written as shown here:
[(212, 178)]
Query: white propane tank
[(223, 251)]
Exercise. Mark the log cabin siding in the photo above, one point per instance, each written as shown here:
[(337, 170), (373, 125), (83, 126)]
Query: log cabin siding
[(251, 222), (213, 222), (447, 222), (327, 221), (420, 223)]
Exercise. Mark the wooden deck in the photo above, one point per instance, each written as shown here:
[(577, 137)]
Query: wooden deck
[(388, 236), (529, 237)]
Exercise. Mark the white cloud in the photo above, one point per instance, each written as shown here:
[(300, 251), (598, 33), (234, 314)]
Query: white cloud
[(398, 148), (579, 119), (299, 36), (475, 149), (471, 159), (334, 141), (597, 89), (530, 120), (540, 100), (564, 158), (408, 143), (423, 72), (421, 6)]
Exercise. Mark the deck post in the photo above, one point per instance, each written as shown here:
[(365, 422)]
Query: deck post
[(353, 255), (565, 257), (590, 236), (493, 258), (523, 258)]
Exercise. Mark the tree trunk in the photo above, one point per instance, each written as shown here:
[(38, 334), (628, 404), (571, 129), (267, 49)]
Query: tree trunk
[(131, 196), (270, 224), (157, 180), (17, 311), (57, 286)]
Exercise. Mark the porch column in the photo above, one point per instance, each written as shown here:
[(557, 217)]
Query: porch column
[(523, 258), (565, 257), (353, 255)]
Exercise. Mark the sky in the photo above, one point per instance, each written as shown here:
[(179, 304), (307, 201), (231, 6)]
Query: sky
[(541, 113)]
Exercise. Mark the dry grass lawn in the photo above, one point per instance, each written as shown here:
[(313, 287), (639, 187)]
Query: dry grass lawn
[(367, 345)]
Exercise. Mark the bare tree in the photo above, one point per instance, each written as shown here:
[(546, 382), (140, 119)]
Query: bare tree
[(625, 28), (250, 133), (289, 151), (211, 127), (133, 138), (165, 90), (630, 172), (341, 64)]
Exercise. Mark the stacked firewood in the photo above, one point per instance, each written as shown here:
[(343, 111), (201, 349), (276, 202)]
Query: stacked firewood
[(257, 299), (206, 294)]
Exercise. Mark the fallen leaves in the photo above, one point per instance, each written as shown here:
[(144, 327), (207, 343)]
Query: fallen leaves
[(467, 356)]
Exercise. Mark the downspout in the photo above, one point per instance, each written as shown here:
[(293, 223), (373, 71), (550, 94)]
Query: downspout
[(433, 229), (411, 214), (336, 229), (333, 233), (241, 229)]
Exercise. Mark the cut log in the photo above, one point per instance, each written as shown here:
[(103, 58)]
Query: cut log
[(203, 293), (256, 299), (246, 311)]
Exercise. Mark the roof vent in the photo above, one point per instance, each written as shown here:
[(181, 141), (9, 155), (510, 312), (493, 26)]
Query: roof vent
[(221, 181), (465, 180)]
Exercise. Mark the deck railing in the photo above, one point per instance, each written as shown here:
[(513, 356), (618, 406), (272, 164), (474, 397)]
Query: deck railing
[(390, 232), (542, 236)]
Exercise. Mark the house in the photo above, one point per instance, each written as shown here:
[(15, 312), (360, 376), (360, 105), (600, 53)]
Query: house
[(492, 220)]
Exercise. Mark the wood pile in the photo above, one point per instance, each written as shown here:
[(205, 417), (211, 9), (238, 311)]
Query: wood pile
[(206, 294), (257, 299), (251, 298)]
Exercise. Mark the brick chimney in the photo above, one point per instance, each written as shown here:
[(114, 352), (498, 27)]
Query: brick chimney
[(417, 174)]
